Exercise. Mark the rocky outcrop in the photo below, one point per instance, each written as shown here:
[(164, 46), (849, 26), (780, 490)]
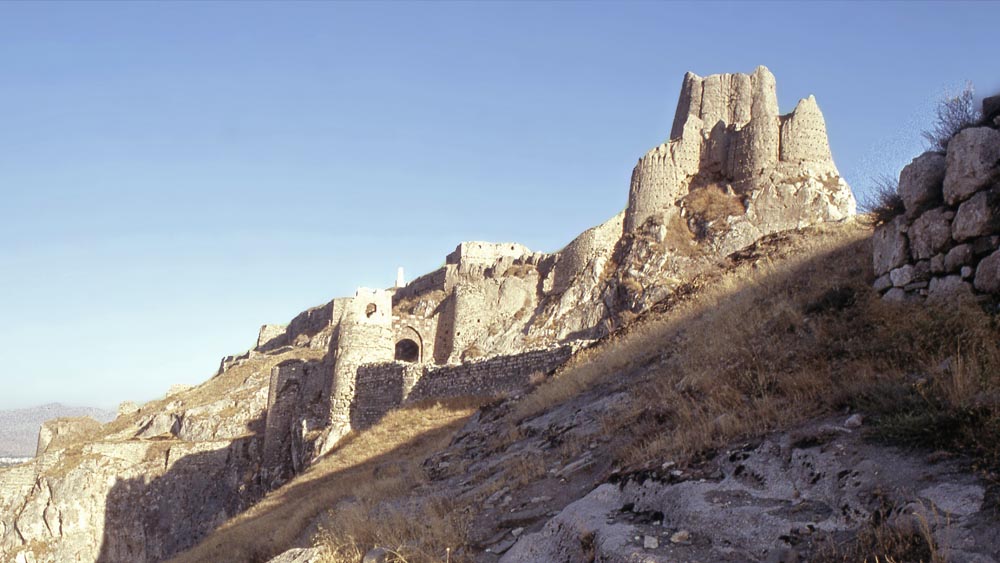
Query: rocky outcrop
[(769, 502), (945, 244)]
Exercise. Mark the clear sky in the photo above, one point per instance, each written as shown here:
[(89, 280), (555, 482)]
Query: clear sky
[(174, 175)]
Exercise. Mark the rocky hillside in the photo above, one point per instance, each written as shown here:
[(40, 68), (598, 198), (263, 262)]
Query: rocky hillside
[(709, 375), (19, 427), (774, 409)]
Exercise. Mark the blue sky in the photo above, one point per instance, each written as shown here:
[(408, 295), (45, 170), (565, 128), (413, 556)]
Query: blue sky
[(173, 175)]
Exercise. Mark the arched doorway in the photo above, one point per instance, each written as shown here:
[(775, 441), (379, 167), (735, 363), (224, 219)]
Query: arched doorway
[(407, 351)]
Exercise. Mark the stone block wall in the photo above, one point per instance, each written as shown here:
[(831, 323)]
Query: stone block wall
[(478, 252), (493, 376), (947, 242), (384, 386), (425, 283), (381, 387)]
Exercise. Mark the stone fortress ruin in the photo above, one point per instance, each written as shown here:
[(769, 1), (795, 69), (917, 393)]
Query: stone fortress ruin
[(493, 318), (496, 313)]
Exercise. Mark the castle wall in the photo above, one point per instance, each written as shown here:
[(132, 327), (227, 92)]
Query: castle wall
[(365, 336), (582, 252), (283, 430), (478, 252), (381, 387), (272, 336), (385, 386), (425, 329), (428, 282)]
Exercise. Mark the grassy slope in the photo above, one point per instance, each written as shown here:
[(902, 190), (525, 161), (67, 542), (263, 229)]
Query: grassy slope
[(787, 330)]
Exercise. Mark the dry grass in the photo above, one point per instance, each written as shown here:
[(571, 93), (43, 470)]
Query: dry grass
[(883, 203), (710, 203), (884, 543), (954, 112), (362, 495), (775, 341), (679, 238), (427, 301)]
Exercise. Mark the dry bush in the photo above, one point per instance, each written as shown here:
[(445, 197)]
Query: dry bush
[(883, 203), (429, 300), (523, 467), (359, 493), (521, 270), (678, 237), (710, 203), (953, 113), (882, 543)]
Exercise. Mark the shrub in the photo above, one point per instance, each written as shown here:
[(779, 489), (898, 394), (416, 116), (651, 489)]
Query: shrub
[(954, 113), (884, 203)]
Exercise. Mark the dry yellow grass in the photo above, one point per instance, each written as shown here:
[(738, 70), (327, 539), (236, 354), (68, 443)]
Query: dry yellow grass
[(344, 493), (792, 334)]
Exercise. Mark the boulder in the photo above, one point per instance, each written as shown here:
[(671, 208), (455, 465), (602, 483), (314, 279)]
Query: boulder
[(300, 555), (889, 246), (930, 233), (902, 275), (937, 264), (895, 294), (973, 155), (949, 287), (985, 245), (957, 257), (977, 216), (920, 182), (882, 283), (988, 274), (162, 425)]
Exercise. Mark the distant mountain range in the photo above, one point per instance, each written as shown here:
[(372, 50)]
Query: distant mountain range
[(19, 427)]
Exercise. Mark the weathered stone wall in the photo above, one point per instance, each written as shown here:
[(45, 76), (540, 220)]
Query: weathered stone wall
[(365, 336), (271, 336), (308, 328), (500, 374), (947, 242), (425, 283), (591, 247), (283, 430), (384, 386), (479, 252), (421, 329)]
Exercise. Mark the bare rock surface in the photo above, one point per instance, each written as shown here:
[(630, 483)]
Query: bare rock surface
[(758, 501)]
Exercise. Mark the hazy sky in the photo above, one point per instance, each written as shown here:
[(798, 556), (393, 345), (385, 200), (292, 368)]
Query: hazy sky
[(174, 175)]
